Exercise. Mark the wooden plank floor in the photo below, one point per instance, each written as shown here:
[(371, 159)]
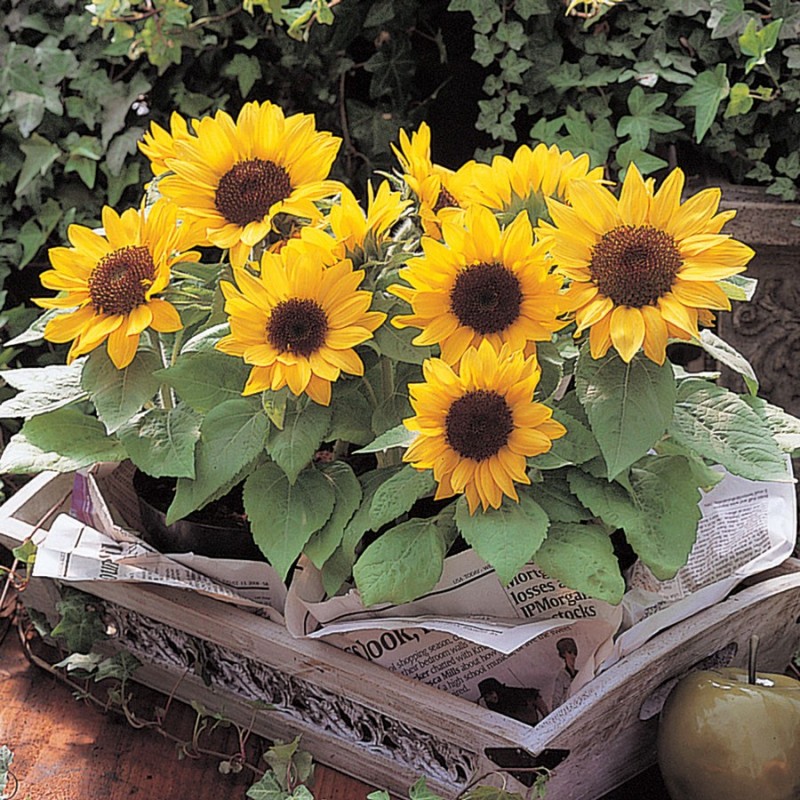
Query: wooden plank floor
[(65, 749)]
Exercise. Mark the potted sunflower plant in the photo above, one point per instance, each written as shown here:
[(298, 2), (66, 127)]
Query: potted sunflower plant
[(475, 358)]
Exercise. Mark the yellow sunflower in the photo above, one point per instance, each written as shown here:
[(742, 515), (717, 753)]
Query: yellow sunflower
[(644, 267), (352, 228), (298, 321), (477, 426), (159, 145), (440, 191), (112, 281), (511, 185), (481, 283), (235, 177)]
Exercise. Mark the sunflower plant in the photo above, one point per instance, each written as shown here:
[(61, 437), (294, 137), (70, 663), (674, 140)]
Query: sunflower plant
[(474, 358)]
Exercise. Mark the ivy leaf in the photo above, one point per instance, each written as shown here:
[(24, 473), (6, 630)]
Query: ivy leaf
[(398, 494), (206, 379), (246, 69), (40, 154), (232, 436), (81, 624), (70, 439), (420, 791), (402, 564), (42, 389), (710, 89), (118, 394), (628, 405), (645, 118), (267, 788), (659, 513), (507, 537), (161, 441), (347, 498), (740, 101), (122, 666), (293, 447), (720, 426), (757, 42), (283, 515)]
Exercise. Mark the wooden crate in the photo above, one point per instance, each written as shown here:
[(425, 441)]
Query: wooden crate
[(386, 729)]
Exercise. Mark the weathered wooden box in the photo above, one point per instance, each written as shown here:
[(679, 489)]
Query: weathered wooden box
[(387, 729)]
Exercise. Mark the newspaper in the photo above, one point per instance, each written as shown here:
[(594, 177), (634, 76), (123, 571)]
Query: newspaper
[(519, 649), (92, 543), (536, 640), (747, 527)]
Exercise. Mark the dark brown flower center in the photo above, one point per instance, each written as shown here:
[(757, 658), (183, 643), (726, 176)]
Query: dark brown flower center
[(120, 279), (297, 326), (248, 190), (635, 265), (486, 298), (478, 424), (444, 200)]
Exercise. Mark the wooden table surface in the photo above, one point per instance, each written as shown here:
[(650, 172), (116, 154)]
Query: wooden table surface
[(65, 749)]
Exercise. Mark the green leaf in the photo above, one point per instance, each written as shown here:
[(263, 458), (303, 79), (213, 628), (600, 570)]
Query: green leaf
[(659, 515), (293, 447), (710, 89), (398, 494), (577, 446), (40, 155), (628, 405), (161, 441), (396, 344), (42, 389), (739, 102), (267, 788), (79, 440), (283, 515), (399, 436), (25, 553), (81, 624), (206, 379), (720, 350), (785, 427), (720, 426), (232, 436), (556, 498), (420, 791), (347, 494), (121, 667), (494, 793), (119, 394), (757, 42), (351, 418), (402, 564), (506, 537), (739, 287), (645, 118), (246, 69)]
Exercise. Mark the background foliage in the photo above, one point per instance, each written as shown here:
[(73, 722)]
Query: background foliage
[(710, 84)]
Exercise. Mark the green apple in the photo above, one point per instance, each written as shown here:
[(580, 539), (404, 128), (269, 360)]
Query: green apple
[(731, 734)]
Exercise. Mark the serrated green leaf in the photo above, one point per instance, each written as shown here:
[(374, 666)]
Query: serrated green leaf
[(232, 436), (347, 494), (206, 379), (119, 394), (401, 564), (726, 354), (721, 427), (161, 441), (75, 439), (399, 436), (785, 427), (506, 537), (628, 405), (710, 89), (283, 515), (577, 446), (351, 418), (303, 428), (398, 494), (556, 498), (396, 344), (42, 389)]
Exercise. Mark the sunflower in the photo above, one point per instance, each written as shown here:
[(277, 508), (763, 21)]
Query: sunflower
[(235, 177), (159, 145), (644, 267), (112, 281), (440, 191), (477, 426), (482, 283), (510, 185), (352, 228), (298, 321)]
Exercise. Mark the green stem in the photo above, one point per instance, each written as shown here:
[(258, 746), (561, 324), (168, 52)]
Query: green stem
[(752, 658)]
